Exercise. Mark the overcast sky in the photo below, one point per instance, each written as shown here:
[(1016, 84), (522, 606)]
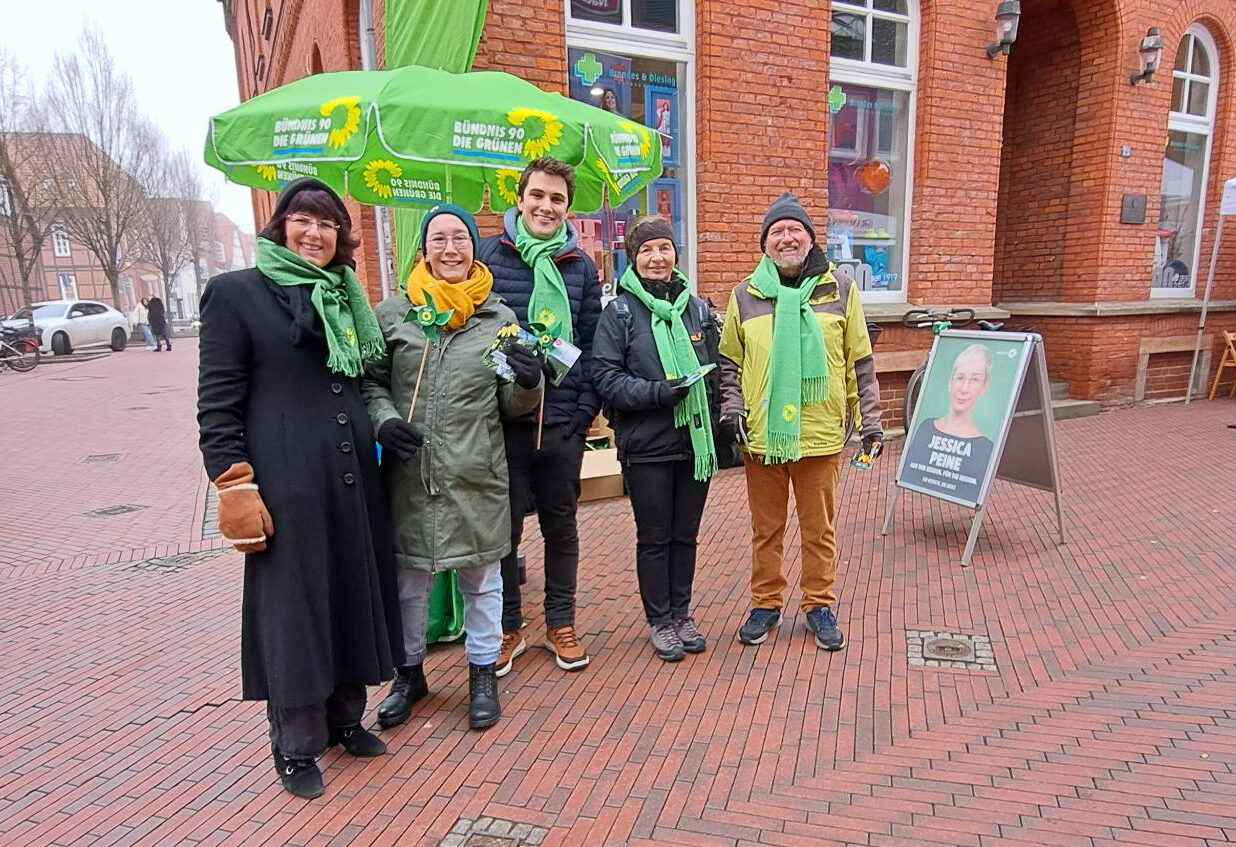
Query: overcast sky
[(177, 53)]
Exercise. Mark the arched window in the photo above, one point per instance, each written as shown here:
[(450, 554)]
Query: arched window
[(873, 68), (1186, 164)]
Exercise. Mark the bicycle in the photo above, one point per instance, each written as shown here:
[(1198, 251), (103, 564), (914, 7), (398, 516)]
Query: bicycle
[(938, 322), (19, 349)]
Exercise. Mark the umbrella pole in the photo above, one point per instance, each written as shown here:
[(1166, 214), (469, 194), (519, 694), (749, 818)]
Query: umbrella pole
[(1201, 324), (419, 373)]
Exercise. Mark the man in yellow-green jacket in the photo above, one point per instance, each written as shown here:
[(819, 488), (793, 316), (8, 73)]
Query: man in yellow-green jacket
[(795, 342)]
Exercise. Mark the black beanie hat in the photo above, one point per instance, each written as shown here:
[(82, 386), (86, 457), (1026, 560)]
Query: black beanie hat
[(306, 183), (643, 230), (786, 207)]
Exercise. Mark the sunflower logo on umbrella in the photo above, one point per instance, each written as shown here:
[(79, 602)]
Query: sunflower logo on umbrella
[(507, 184), (378, 176), (266, 172), (341, 130), (542, 130)]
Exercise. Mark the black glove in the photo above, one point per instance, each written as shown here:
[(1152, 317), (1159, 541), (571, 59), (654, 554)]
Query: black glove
[(671, 392), (727, 428), (873, 444), (401, 437), (525, 364), (737, 425), (578, 425)]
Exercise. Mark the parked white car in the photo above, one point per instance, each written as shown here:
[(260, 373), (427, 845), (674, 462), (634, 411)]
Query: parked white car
[(67, 325)]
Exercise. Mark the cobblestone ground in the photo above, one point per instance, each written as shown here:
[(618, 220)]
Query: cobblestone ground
[(1103, 711)]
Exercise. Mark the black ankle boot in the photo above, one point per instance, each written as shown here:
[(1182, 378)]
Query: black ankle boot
[(408, 687), (357, 740), (483, 708), (299, 776)]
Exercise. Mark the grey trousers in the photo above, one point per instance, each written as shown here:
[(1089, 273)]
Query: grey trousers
[(302, 733), (481, 587)]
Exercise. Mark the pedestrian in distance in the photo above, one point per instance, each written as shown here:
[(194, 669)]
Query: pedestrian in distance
[(796, 346), (540, 272), (286, 439), (141, 320), (444, 464), (651, 342), (158, 323)]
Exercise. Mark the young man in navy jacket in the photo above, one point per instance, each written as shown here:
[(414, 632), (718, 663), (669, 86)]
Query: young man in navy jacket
[(545, 278)]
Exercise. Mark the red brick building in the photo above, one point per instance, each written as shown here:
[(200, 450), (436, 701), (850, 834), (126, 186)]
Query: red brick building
[(940, 174)]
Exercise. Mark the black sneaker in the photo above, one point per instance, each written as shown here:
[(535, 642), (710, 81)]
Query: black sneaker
[(759, 623), (299, 776), (357, 740), (823, 623)]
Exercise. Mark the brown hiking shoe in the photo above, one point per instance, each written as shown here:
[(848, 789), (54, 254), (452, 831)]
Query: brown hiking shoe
[(513, 645), (566, 648)]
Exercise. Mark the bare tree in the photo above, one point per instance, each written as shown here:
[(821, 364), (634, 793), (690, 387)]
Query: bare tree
[(26, 208), (170, 238), (102, 155)]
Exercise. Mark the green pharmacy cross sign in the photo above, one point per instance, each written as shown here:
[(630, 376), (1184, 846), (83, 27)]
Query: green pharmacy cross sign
[(588, 69), (836, 99)]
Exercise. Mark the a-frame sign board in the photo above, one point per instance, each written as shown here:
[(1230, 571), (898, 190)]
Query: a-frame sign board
[(984, 413)]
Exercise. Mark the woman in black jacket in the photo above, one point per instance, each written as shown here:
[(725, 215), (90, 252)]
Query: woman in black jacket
[(651, 343), (279, 406)]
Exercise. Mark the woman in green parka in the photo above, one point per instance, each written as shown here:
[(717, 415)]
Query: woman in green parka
[(445, 470)]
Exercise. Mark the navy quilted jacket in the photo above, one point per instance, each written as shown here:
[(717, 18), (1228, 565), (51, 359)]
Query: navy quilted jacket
[(513, 283)]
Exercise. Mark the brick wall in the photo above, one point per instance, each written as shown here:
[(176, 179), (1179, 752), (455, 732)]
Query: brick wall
[(1036, 166)]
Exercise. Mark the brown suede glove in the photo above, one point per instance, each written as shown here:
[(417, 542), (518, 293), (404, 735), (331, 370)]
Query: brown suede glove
[(243, 520)]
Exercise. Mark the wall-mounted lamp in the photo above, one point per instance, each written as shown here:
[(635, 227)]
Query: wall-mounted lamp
[(1149, 54), (1008, 13)]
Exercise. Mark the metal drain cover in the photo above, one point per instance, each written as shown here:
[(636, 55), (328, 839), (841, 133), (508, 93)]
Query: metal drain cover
[(493, 832), (174, 563), (928, 648), (99, 458)]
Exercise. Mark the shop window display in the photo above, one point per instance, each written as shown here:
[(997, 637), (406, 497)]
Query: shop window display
[(867, 176), (648, 91)]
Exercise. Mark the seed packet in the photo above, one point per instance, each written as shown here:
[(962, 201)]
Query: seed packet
[(561, 355)]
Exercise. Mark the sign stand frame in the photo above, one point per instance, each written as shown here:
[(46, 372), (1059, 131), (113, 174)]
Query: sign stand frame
[(1029, 404)]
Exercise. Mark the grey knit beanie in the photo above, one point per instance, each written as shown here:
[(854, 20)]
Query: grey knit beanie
[(785, 207)]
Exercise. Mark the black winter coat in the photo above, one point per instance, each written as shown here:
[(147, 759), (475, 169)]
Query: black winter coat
[(157, 315), (320, 600), (628, 372), (513, 283)]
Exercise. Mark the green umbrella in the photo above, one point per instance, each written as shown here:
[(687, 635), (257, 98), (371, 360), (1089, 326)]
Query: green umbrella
[(416, 137)]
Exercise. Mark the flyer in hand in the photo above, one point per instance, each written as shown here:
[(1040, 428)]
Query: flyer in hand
[(561, 355)]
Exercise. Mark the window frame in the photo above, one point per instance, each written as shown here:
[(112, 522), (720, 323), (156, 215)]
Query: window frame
[(874, 75), (642, 38), (62, 247), (651, 44), (69, 278), (1203, 125)]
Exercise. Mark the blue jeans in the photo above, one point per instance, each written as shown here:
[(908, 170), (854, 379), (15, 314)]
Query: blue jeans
[(147, 334), (481, 587)]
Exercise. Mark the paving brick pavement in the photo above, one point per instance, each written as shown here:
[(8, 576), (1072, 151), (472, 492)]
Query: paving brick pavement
[(1109, 718)]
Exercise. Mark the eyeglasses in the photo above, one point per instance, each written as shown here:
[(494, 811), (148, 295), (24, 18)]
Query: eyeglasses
[(306, 222), (792, 231), (459, 242)]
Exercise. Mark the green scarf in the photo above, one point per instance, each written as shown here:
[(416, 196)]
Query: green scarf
[(798, 370), (678, 358), (352, 332), (548, 304)]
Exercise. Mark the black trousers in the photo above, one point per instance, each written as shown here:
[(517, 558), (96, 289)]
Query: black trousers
[(551, 475), (161, 335), (668, 503), (302, 733)]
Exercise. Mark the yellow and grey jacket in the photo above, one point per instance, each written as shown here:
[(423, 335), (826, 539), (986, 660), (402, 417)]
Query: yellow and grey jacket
[(746, 346)]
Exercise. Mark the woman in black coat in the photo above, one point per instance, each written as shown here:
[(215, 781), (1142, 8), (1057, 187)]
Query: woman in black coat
[(286, 439), (158, 323), (648, 341)]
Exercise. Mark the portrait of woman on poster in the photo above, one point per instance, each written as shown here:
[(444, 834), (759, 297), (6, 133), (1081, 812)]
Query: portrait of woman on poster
[(954, 442)]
